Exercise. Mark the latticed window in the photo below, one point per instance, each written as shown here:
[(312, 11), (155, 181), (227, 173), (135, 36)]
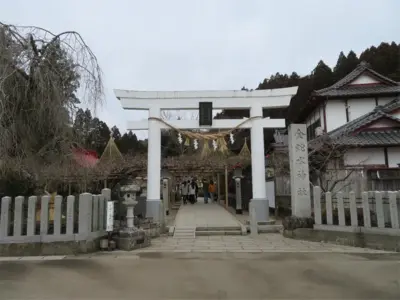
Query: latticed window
[(311, 129)]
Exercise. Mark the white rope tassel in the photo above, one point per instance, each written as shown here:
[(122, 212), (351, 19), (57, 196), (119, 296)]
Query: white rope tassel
[(215, 145), (180, 140), (231, 137)]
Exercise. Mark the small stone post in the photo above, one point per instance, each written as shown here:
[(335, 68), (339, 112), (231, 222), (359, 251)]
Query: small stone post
[(57, 214), (84, 217), (379, 210), (70, 214), (44, 215), (31, 226), (19, 201), (4, 216)]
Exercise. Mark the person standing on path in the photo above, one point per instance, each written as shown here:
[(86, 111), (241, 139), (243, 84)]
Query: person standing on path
[(192, 192), (184, 192), (211, 190), (205, 191), (197, 189)]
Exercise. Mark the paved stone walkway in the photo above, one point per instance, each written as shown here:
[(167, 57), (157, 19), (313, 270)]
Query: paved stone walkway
[(263, 243), (204, 215)]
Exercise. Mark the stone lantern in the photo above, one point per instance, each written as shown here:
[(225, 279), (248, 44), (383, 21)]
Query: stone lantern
[(131, 237), (129, 195), (237, 175)]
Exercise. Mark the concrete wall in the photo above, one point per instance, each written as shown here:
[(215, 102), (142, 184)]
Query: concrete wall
[(354, 239)]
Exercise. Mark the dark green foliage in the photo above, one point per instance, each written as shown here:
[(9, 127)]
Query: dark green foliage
[(292, 223), (93, 134), (384, 59)]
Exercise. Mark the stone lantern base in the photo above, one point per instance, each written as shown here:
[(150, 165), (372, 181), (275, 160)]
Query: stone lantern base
[(132, 238)]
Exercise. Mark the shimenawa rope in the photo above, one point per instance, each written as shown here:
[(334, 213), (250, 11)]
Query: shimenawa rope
[(205, 136)]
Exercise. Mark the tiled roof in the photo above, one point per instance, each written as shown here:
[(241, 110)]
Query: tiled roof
[(379, 89), (388, 86), (347, 134), (373, 138)]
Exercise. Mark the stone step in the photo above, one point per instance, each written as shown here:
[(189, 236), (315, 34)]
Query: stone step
[(218, 232), (185, 232), (218, 228), (267, 228), (270, 222)]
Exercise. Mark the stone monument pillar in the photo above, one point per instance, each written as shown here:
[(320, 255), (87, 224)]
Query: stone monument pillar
[(299, 172)]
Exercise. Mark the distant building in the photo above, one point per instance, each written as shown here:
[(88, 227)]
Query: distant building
[(361, 112), (355, 95)]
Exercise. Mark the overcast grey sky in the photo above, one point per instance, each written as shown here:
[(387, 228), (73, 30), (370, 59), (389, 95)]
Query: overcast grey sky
[(208, 44)]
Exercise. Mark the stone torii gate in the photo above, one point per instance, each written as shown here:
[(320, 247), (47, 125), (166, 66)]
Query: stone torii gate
[(156, 101)]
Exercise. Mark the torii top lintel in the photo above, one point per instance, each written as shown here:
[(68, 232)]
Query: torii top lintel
[(179, 100)]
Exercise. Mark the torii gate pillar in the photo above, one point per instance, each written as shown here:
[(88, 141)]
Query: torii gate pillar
[(259, 200), (154, 102), (153, 202)]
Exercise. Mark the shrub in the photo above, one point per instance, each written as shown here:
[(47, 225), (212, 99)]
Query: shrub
[(293, 222)]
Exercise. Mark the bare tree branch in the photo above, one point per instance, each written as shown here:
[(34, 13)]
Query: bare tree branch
[(326, 163), (41, 74)]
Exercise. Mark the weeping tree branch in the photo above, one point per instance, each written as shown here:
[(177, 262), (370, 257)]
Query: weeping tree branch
[(41, 76)]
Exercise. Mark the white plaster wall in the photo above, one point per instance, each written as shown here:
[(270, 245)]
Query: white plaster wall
[(314, 116), (364, 79), (385, 123), (393, 156), (322, 116), (359, 107), (335, 114), (364, 156), (385, 100), (396, 114)]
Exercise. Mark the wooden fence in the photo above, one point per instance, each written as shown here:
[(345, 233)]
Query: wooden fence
[(376, 212), (67, 219)]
